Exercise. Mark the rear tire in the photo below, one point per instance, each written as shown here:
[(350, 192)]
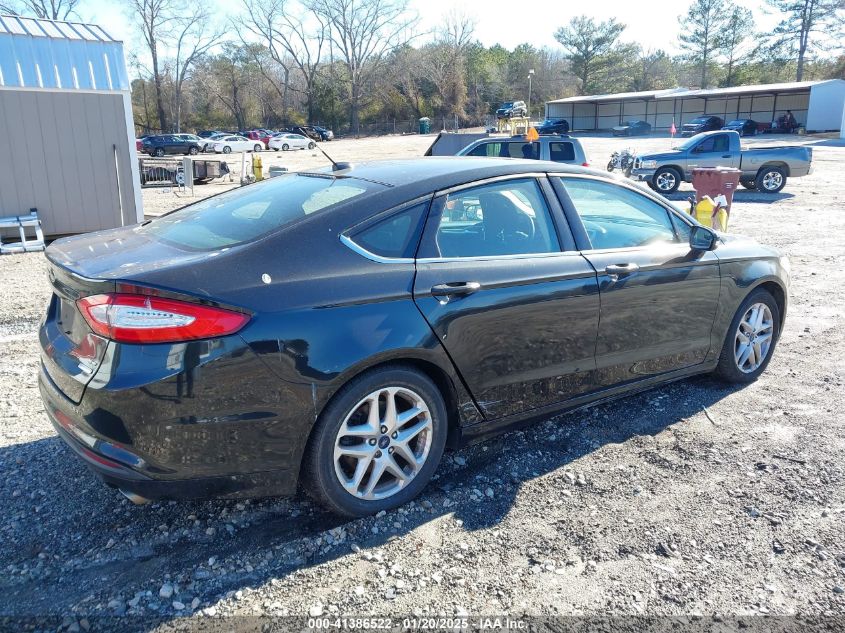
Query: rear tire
[(334, 452), (312, 145), (732, 366), (285, 147), (159, 152), (193, 151), (771, 180), (748, 183), (227, 149), (257, 148)]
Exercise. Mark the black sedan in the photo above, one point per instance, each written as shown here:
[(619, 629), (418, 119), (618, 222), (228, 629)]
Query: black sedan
[(553, 126), (343, 327), (745, 127), (169, 144), (632, 128), (702, 124)]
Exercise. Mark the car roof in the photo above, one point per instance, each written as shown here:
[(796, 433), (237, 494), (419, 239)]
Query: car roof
[(419, 176)]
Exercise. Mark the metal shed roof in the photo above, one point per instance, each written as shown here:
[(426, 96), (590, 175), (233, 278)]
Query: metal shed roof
[(47, 54), (645, 94), (679, 93)]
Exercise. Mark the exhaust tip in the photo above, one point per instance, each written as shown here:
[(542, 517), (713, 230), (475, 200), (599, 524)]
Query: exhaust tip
[(135, 498)]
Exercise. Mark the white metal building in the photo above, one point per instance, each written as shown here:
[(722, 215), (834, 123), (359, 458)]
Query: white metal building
[(68, 147), (817, 105)]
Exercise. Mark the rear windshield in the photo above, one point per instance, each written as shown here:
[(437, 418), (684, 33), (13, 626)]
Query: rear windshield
[(244, 215)]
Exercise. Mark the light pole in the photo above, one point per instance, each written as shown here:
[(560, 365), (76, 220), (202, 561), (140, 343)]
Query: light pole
[(530, 75)]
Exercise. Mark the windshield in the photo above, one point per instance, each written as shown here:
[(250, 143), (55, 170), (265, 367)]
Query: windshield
[(699, 120), (508, 104), (737, 122), (244, 215), (689, 143)]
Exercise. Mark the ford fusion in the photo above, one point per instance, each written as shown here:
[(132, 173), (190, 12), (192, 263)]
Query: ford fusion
[(338, 330)]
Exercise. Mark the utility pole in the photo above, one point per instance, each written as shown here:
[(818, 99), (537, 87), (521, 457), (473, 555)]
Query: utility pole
[(530, 75)]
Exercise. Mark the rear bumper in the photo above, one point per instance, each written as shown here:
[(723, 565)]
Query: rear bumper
[(162, 459)]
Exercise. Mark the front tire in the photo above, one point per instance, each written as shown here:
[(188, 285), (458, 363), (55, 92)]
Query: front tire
[(748, 183), (285, 147), (227, 149), (751, 339), (159, 152), (257, 148), (666, 180), (312, 145), (771, 180), (377, 444)]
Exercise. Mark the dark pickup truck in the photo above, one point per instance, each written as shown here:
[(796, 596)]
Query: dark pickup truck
[(763, 168)]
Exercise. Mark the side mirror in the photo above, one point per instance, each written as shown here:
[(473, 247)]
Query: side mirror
[(702, 239)]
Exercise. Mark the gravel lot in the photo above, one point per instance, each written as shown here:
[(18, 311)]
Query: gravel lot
[(691, 499)]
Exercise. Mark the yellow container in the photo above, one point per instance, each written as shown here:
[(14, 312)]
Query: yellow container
[(704, 213), (257, 169)]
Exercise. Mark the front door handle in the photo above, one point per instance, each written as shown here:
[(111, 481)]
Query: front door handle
[(455, 289), (620, 270)]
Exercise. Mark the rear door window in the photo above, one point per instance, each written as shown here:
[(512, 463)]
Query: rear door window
[(397, 236), (508, 149), (247, 214), (561, 152)]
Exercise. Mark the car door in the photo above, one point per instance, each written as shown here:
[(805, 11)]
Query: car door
[(713, 151), (511, 300), (658, 297)]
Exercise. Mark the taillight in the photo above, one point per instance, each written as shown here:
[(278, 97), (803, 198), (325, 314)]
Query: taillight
[(129, 318), (585, 164)]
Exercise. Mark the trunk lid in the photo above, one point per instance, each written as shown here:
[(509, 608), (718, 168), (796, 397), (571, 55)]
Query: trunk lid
[(86, 265)]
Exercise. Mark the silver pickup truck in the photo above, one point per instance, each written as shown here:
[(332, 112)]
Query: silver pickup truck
[(764, 169)]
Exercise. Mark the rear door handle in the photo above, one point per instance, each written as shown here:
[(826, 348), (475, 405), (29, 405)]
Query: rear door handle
[(620, 270), (455, 289)]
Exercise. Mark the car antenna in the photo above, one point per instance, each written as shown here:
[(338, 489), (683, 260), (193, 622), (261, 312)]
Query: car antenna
[(335, 165)]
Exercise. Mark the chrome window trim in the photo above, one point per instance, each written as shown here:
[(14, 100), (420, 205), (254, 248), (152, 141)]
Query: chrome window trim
[(482, 258), (349, 243)]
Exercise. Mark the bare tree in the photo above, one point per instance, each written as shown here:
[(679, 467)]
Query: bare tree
[(364, 32), (195, 36), (447, 62), (46, 9), (292, 39), (156, 19)]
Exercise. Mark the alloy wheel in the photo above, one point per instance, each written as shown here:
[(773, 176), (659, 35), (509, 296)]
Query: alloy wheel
[(383, 443), (753, 338), (665, 181), (772, 180)]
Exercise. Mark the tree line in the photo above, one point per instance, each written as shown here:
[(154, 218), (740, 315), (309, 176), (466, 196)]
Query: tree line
[(363, 66)]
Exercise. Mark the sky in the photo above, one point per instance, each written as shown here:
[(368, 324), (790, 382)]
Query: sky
[(653, 23)]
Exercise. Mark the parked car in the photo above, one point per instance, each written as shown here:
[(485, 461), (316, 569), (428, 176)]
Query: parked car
[(325, 133), (702, 124), (634, 127), (553, 126), (139, 142), (558, 149), (207, 144), (286, 141), (235, 143), (744, 127), (263, 136), (512, 109), (431, 317), (162, 144), (191, 137), (209, 133), (763, 168)]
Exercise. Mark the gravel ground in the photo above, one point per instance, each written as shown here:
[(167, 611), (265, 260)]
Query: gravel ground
[(692, 499)]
